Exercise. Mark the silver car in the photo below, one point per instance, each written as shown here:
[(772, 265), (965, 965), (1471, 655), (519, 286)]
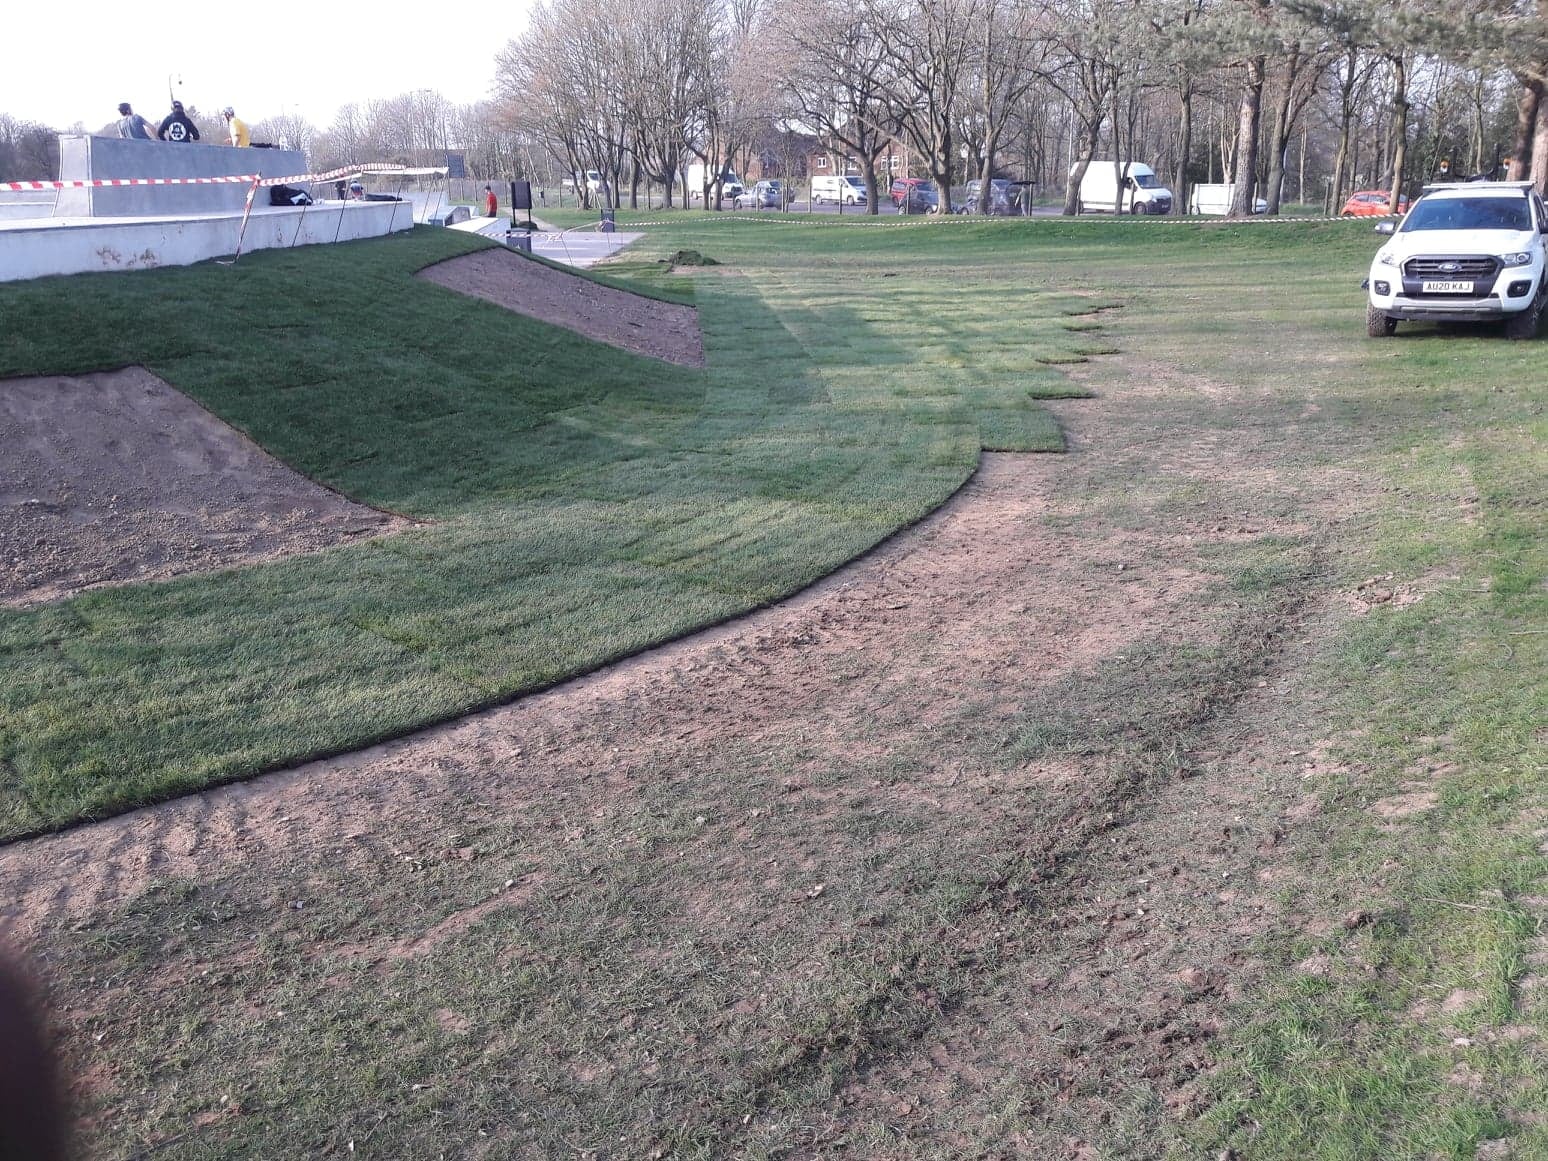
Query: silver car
[(765, 195)]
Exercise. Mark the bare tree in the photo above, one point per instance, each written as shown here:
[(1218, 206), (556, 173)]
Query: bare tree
[(668, 48), (1091, 38), (1012, 52), (288, 130), (928, 43), (1301, 70), (834, 79), (29, 151), (1173, 28)]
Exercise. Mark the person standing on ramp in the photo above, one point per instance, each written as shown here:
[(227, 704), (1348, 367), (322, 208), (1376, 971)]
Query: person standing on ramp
[(131, 124), (177, 127), (237, 127)]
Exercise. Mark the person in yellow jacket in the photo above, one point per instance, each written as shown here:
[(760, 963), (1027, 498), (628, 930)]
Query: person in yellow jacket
[(237, 128)]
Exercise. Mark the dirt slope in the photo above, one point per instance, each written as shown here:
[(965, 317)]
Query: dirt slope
[(118, 477), (662, 330)]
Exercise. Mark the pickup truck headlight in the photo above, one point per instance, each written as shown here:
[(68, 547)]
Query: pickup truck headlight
[(1520, 258), (1385, 259)]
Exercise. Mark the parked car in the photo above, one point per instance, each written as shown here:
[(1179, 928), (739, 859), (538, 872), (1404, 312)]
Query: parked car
[(765, 195), (1004, 197), (914, 195), (1472, 252), (848, 191), (1371, 203)]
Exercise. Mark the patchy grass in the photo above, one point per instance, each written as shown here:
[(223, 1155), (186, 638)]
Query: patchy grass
[(1413, 1035)]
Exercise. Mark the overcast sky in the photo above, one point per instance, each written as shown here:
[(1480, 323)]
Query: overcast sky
[(75, 63)]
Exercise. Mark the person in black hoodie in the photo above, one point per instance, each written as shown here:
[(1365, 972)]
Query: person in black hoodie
[(177, 127)]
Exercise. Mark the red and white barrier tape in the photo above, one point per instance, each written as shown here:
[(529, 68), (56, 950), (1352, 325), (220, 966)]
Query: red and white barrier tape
[(230, 179), (333, 174), (234, 179)]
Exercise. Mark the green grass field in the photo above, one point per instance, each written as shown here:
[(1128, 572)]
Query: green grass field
[(583, 503)]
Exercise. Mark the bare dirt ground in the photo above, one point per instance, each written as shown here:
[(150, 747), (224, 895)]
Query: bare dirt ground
[(878, 719), (662, 330), (118, 477)]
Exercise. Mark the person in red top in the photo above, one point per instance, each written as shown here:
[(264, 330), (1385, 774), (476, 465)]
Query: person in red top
[(491, 203)]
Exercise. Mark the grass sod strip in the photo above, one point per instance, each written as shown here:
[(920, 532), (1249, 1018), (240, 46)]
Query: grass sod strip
[(583, 503)]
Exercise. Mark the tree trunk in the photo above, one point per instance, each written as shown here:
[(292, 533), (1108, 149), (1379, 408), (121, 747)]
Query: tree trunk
[(1247, 140), (941, 162), (1346, 115), (1279, 139), (1399, 128), (1478, 125), (986, 170), (1118, 157), (868, 171), (1078, 171), (1540, 150), (1355, 173), (1301, 181), (1527, 102), (1185, 147)]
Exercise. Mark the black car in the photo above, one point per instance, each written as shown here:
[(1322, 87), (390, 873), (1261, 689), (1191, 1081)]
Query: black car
[(914, 195), (1004, 197)]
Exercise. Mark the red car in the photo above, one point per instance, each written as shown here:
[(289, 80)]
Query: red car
[(1371, 203)]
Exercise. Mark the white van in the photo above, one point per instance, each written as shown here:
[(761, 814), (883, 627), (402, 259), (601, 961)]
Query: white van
[(1143, 192), (591, 179), (730, 184), (1216, 199), (847, 191)]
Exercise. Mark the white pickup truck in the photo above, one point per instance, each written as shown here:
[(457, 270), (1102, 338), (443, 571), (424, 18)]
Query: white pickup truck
[(1469, 252)]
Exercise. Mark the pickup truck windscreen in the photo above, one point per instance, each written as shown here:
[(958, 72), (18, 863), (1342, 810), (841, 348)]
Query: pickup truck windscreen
[(1468, 214)]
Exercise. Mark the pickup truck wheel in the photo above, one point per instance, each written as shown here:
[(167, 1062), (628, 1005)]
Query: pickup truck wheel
[(1524, 325), (1378, 324)]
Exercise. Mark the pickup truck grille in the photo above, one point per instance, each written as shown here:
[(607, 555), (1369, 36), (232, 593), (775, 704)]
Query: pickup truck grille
[(1475, 269)]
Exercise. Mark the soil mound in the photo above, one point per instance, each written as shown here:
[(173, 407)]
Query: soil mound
[(118, 477), (631, 322)]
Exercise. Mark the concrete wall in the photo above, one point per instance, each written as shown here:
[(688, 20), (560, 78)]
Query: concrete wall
[(35, 249), (85, 158), (26, 203)]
